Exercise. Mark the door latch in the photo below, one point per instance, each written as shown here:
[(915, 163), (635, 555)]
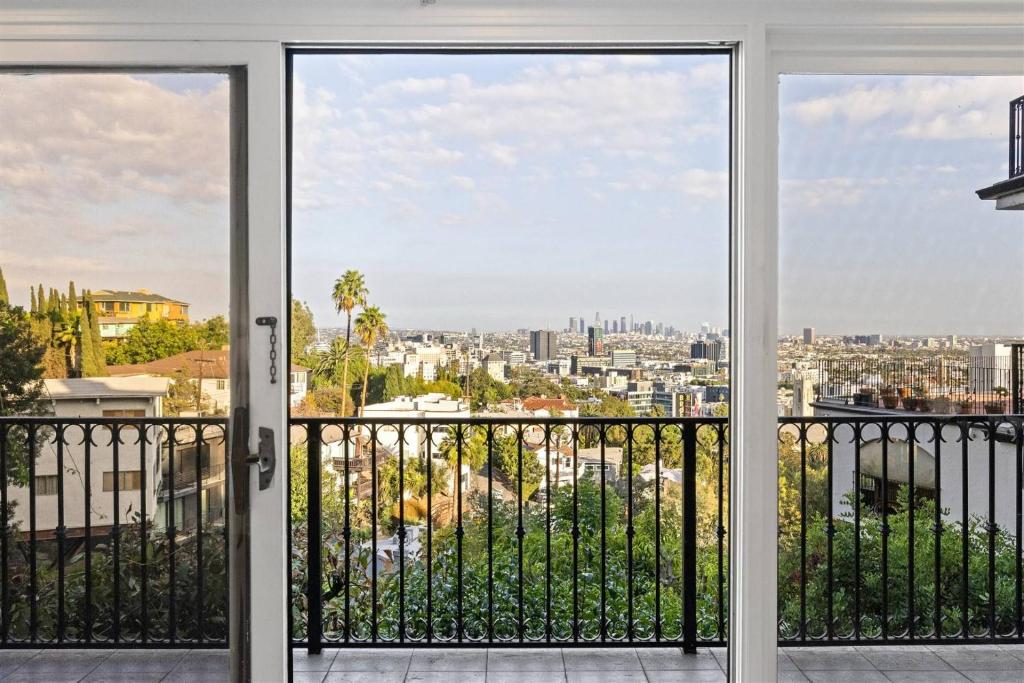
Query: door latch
[(265, 457)]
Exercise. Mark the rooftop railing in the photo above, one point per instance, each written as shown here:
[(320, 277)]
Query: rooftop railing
[(947, 385), (1017, 137)]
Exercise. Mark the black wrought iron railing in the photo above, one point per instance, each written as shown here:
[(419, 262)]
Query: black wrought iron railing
[(90, 554), (900, 529), (957, 384), (509, 532), (1017, 137), (875, 546)]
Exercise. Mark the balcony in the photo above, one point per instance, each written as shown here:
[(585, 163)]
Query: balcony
[(1009, 193), (954, 384), (894, 529)]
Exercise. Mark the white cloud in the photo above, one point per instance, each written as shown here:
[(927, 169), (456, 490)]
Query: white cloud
[(826, 193), (123, 179), (464, 182), (923, 107), (103, 137), (503, 154)]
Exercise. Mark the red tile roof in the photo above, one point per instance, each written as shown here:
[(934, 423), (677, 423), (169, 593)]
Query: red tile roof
[(543, 403)]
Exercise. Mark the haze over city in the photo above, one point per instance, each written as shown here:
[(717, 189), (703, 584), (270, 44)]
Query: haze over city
[(513, 191)]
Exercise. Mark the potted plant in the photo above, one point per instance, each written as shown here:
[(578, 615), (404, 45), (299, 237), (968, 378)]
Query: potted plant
[(865, 397), (997, 407), (903, 392), (890, 399), (965, 407), (942, 405), (924, 404), (910, 403)]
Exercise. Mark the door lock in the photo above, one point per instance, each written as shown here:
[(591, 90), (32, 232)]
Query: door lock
[(265, 457)]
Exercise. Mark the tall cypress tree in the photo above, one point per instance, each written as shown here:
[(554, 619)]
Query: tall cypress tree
[(40, 299), (72, 297), (93, 360), (4, 298), (34, 306)]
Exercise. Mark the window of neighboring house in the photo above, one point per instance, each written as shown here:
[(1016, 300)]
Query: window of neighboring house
[(222, 384), (130, 480), (124, 413), (46, 485), (124, 306), (149, 308), (107, 306)]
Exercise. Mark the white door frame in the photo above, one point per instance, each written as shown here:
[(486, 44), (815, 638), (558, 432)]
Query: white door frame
[(260, 227)]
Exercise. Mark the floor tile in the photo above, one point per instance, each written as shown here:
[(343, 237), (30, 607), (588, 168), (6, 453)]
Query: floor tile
[(846, 676), (365, 677), (446, 677), (203, 661), (308, 676), (194, 677), (448, 660), (995, 676), (124, 677), (982, 660), (63, 662), (792, 676), (10, 660), (141, 661), (372, 660), (303, 661), (605, 677), (690, 676), (921, 660), (525, 660), (948, 676), (526, 677), (821, 659), (673, 659), (610, 659)]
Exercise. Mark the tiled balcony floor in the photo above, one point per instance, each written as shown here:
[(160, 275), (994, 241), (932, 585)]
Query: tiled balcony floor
[(933, 664)]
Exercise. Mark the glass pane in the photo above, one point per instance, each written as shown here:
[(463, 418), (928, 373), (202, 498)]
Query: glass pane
[(114, 238), (546, 236), (901, 311)]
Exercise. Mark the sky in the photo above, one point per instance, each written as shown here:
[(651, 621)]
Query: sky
[(508, 191), (504, 191), (116, 182)]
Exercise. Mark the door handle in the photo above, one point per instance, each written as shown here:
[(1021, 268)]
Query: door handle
[(265, 457)]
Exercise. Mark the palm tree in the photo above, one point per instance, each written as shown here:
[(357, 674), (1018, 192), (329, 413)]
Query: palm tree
[(349, 291), (370, 327), (66, 336)]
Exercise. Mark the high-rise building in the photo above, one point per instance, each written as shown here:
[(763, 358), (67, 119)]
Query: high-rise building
[(622, 325), (808, 335), (572, 325), (543, 344), (710, 350), (595, 341), (607, 328), (583, 325), (632, 327), (615, 327), (623, 358)]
